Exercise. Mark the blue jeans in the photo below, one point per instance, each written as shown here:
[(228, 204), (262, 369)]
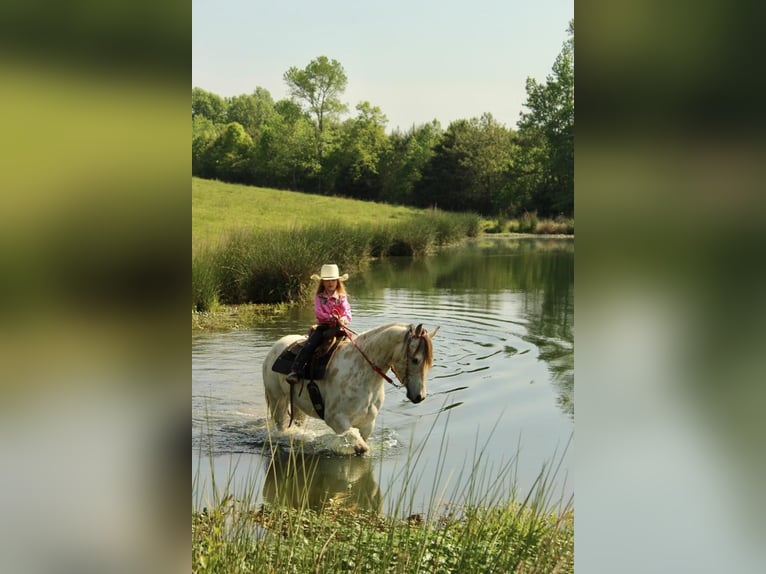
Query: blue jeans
[(315, 339)]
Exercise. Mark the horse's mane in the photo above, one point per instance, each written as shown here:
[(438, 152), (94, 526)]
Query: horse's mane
[(429, 350), (429, 357)]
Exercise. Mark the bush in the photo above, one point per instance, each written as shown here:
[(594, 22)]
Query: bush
[(528, 222)]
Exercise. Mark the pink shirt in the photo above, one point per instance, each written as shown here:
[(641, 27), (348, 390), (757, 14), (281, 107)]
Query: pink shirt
[(324, 306)]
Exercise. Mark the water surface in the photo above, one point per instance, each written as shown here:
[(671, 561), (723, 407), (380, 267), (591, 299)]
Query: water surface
[(501, 390)]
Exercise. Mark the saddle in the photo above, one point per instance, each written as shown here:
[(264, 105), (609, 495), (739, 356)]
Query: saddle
[(317, 365)]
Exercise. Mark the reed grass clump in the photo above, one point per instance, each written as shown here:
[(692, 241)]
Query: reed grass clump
[(413, 238), (205, 281), (528, 222), (500, 225), (269, 266), (381, 241), (453, 227), (485, 527), (236, 538), (556, 226)]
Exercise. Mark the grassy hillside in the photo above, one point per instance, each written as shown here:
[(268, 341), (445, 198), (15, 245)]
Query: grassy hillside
[(256, 245), (219, 209)]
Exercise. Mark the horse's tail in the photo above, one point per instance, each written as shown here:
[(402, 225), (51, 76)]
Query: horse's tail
[(268, 382)]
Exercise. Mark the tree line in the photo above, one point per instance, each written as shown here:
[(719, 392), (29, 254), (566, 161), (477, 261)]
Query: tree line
[(304, 144)]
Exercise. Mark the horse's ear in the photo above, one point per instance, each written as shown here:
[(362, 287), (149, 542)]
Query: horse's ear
[(418, 330), (433, 333)]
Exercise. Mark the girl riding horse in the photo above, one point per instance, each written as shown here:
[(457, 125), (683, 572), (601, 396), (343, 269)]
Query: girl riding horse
[(331, 308)]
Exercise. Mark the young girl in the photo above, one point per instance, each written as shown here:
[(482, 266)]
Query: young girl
[(331, 308)]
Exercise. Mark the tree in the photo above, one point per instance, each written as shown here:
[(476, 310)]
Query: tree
[(353, 165), (204, 135), (284, 151), (467, 170), (526, 173), (232, 153), (251, 111), (488, 154), (547, 134), (446, 180), (407, 154), (208, 105), (319, 86)]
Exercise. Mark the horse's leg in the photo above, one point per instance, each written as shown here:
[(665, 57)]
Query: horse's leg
[(299, 417), (340, 424), (366, 429), (278, 402)]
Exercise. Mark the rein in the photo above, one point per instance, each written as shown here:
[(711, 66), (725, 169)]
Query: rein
[(375, 367)]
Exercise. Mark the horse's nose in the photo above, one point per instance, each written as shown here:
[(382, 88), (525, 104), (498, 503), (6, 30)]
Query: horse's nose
[(417, 398)]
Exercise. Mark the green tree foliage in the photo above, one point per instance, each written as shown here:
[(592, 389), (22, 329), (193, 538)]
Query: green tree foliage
[(488, 155), (230, 153), (526, 173), (475, 165), (284, 151), (208, 105), (446, 180), (353, 165), (251, 111), (204, 135), (543, 173), (468, 169), (402, 164), (319, 86)]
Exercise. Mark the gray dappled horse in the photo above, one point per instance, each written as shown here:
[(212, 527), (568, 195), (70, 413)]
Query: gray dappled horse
[(353, 387)]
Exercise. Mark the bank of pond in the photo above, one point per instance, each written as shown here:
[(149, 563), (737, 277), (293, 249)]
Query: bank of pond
[(273, 265), (482, 533), (233, 538)]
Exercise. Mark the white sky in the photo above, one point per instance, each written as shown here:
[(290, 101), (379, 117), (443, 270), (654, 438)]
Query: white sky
[(417, 60)]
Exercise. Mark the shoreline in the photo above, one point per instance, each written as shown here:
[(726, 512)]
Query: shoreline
[(244, 316)]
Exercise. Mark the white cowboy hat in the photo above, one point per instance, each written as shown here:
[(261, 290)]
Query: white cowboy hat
[(330, 272)]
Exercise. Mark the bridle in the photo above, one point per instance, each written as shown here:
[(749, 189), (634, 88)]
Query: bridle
[(419, 333), (412, 333)]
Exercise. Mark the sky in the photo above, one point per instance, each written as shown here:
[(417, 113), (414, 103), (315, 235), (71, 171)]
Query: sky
[(417, 60)]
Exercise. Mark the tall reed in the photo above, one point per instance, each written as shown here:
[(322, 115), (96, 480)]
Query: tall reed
[(275, 265), (205, 280), (487, 526), (528, 222)]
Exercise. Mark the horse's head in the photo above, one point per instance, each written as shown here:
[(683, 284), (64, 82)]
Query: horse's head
[(416, 361)]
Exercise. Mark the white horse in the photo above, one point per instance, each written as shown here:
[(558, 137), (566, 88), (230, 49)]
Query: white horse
[(353, 387)]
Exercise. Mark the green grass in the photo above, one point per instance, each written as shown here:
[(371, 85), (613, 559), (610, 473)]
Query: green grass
[(487, 527), (253, 246), (260, 246), (218, 209), (510, 538)]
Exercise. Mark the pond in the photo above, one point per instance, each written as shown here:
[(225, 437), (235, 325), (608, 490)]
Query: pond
[(500, 404)]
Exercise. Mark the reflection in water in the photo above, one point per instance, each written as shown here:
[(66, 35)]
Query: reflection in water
[(550, 310), (301, 480)]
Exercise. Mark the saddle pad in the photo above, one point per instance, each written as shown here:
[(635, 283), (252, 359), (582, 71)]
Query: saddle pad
[(284, 363), (316, 367)]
